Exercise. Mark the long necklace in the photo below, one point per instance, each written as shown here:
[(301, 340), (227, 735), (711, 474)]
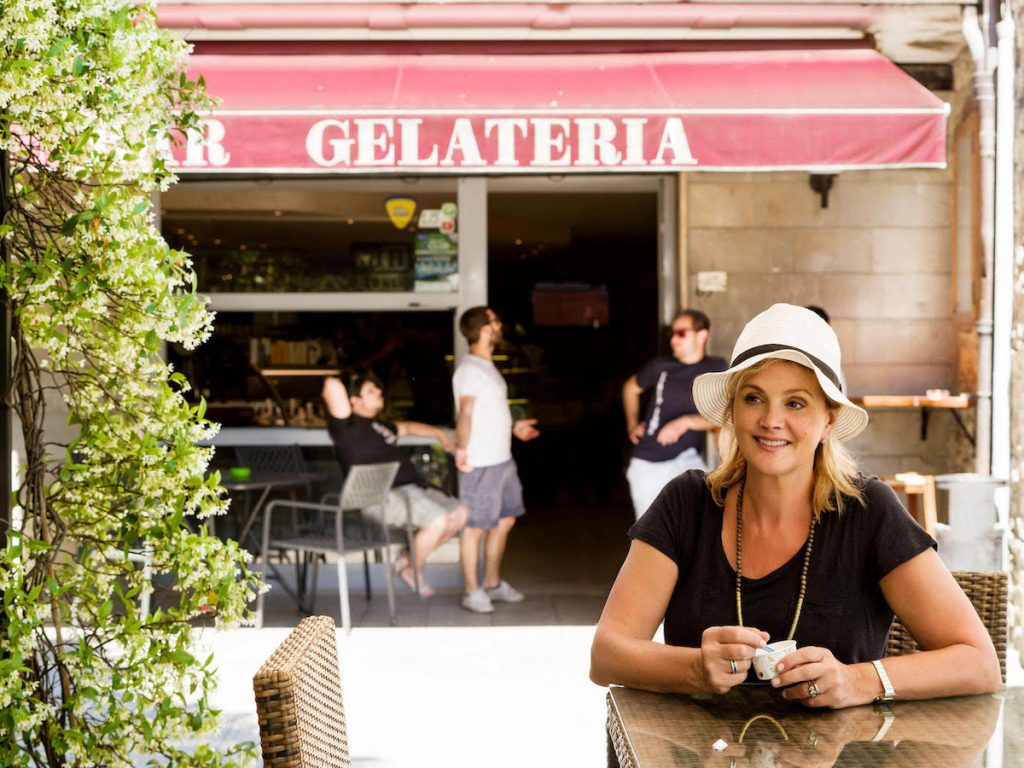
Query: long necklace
[(739, 565)]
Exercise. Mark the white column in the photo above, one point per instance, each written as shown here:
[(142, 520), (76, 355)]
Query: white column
[(668, 255)]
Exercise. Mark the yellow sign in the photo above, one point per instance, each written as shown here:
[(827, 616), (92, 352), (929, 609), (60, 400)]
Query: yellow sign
[(400, 210)]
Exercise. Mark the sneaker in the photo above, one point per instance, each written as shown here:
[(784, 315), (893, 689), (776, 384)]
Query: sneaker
[(477, 602), (504, 593)]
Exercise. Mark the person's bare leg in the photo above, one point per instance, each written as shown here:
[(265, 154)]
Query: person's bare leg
[(427, 540), (469, 551), (494, 551)]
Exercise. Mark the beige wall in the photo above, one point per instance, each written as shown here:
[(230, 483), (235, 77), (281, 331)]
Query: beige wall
[(878, 259)]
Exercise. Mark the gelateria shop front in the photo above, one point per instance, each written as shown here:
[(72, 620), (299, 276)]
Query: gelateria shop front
[(344, 209)]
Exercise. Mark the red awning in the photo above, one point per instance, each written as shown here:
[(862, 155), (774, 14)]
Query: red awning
[(821, 110)]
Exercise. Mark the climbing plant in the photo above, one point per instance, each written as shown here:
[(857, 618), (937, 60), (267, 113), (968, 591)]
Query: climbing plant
[(92, 92)]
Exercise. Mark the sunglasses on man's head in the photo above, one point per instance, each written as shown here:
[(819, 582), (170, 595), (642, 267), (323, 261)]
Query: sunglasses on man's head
[(682, 333)]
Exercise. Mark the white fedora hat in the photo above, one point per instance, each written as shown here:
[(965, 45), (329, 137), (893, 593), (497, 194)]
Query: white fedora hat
[(783, 332)]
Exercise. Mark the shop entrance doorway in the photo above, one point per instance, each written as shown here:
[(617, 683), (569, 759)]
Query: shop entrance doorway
[(574, 276)]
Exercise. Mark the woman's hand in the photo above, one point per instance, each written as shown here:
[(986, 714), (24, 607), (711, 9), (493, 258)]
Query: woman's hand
[(815, 670), (725, 654)]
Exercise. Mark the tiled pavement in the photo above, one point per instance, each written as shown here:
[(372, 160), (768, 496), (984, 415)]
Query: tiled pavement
[(459, 697), (451, 688), (565, 562), (455, 689)]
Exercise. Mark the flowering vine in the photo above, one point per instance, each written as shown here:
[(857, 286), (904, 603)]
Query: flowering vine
[(91, 93)]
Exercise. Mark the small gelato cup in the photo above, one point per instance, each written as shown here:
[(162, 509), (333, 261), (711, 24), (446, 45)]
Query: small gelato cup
[(765, 659)]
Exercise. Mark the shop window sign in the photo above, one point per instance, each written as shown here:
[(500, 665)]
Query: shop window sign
[(382, 267), (437, 265)]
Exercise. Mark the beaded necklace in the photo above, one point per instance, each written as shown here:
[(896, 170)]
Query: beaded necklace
[(739, 565)]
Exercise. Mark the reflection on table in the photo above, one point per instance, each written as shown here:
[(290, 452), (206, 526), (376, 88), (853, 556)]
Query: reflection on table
[(752, 727)]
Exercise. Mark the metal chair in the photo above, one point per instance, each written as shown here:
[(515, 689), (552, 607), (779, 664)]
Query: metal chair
[(276, 460), (403, 528), (987, 592), (345, 528), (271, 459), (298, 700)]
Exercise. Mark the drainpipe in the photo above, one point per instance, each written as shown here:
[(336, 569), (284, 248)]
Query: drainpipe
[(6, 483), (1003, 244), (984, 94)]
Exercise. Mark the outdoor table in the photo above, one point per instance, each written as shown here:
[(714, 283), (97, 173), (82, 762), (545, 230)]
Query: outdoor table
[(265, 483), (752, 727)]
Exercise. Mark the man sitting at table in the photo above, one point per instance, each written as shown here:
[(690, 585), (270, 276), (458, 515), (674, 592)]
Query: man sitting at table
[(361, 438)]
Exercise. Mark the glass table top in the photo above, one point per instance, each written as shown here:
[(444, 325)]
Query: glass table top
[(751, 727)]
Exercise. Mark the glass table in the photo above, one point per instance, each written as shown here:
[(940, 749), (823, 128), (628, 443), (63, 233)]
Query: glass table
[(752, 727)]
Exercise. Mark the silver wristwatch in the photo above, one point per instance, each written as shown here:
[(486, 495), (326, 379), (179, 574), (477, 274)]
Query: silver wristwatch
[(888, 693)]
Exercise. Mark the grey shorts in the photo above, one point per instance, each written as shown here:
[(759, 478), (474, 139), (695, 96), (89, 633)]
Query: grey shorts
[(427, 504), (491, 493)]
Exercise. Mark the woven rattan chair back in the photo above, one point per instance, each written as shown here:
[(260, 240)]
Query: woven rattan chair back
[(368, 485), (987, 592), (298, 700), (271, 459)]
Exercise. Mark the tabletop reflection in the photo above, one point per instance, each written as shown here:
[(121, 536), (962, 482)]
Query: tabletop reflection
[(752, 728)]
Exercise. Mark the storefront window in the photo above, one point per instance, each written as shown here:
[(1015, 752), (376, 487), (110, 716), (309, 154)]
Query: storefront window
[(292, 236), (267, 368)]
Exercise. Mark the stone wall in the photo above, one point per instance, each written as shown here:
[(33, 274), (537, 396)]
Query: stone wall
[(877, 259)]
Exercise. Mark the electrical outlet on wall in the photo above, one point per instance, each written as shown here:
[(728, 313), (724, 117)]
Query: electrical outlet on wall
[(712, 282)]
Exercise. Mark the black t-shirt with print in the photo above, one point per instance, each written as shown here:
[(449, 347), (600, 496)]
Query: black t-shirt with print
[(672, 397), (844, 608), (358, 440)]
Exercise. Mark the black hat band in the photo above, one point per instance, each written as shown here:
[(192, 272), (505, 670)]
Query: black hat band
[(825, 370)]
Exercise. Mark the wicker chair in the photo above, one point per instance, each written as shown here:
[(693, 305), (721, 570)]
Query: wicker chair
[(987, 592), (298, 700), (347, 529)]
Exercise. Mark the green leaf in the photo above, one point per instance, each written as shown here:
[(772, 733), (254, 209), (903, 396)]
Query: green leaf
[(181, 657)]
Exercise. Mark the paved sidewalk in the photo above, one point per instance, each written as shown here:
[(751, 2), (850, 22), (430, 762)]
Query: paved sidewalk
[(459, 697), (440, 696)]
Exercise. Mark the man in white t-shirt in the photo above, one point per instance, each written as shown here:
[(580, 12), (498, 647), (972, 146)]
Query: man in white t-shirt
[(488, 479)]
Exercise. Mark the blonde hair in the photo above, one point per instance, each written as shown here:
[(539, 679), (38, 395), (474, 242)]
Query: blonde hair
[(835, 470)]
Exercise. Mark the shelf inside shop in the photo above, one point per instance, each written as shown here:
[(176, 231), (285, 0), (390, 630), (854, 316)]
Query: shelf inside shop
[(298, 371), (326, 302)]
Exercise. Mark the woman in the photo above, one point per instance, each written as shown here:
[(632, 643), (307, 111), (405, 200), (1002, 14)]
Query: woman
[(786, 541)]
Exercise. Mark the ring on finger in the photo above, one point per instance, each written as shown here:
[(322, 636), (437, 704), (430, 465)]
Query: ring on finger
[(812, 689), (732, 664)]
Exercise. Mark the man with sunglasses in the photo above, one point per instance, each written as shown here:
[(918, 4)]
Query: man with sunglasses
[(671, 436)]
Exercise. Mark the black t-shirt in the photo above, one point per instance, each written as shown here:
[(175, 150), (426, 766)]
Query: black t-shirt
[(844, 608), (358, 440), (672, 382)]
